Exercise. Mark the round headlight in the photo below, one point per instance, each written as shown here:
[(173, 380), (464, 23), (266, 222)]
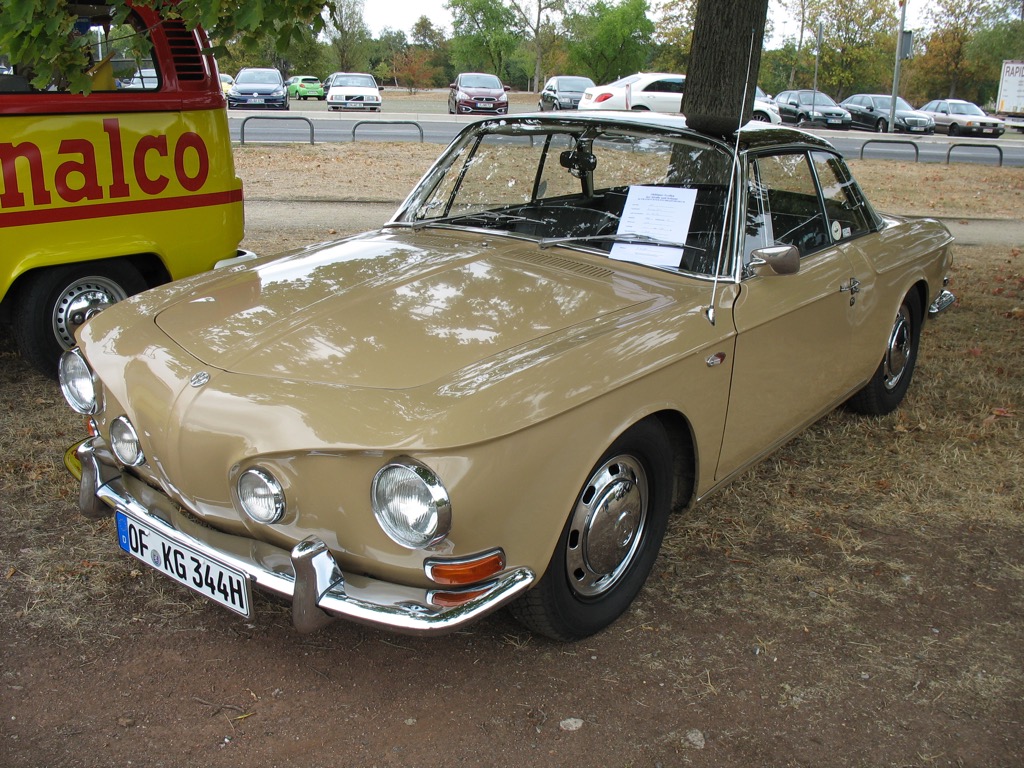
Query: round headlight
[(261, 496), (411, 504), (77, 382), (124, 442)]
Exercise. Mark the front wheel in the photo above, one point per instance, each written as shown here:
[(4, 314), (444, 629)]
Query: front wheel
[(889, 385), (610, 541), (882, 126), (53, 303), (954, 129)]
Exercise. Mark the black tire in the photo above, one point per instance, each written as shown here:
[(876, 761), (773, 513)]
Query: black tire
[(52, 303), (610, 541), (889, 385), (954, 129), (760, 117), (882, 126)]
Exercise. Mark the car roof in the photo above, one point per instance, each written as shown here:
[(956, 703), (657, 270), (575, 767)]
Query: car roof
[(753, 136)]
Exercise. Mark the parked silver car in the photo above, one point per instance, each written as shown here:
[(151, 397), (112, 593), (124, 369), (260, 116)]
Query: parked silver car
[(958, 117)]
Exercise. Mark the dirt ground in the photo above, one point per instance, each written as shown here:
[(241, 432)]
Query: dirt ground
[(854, 601)]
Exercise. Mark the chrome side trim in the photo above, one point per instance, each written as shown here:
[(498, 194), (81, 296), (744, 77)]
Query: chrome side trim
[(945, 300), (308, 575)]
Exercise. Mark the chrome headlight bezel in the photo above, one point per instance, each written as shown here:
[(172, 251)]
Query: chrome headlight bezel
[(124, 442), (423, 517), (78, 383), (260, 496)]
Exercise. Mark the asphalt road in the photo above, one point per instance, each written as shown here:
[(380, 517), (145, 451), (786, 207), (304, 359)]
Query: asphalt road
[(403, 118)]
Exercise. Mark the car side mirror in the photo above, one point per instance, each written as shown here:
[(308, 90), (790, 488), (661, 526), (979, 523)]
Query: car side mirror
[(792, 103), (380, 88), (774, 260), (451, 85), (508, 87)]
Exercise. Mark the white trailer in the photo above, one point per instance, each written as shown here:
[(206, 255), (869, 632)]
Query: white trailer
[(1010, 101)]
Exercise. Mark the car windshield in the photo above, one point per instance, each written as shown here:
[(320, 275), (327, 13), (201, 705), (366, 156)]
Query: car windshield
[(965, 109), (885, 102), (309, 80), (575, 83), (480, 81), (817, 98), (258, 76), (353, 81), (632, 194)]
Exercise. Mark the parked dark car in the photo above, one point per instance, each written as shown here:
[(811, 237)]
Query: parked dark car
[(477, 93), (958, 117), (563, 92), (807, 108), (258, 88), (871, 112)]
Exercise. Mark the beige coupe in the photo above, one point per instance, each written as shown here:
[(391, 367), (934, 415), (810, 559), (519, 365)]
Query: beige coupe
[(573, 326)]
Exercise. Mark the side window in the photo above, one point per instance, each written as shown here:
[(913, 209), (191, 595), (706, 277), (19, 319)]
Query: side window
[(119, 58), (845, 208), (783, 207)]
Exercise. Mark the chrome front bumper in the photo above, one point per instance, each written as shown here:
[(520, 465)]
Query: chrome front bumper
[(944, 301), (308, 575)]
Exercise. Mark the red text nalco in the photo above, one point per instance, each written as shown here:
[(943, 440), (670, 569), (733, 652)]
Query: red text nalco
[(76, 175)]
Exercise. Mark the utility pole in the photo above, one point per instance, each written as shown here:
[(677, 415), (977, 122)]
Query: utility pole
[(896, 73)]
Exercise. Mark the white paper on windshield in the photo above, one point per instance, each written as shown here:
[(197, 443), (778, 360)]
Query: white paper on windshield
[(660, 212)]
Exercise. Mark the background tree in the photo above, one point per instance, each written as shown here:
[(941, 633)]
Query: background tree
[(385, 51), (349, 36), (485, 36), (38, 35), (433, 41), (674, 35), (610, 41), (534, 17)]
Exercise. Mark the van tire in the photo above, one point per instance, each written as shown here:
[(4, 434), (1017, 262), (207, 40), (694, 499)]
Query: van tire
[(51, 303)]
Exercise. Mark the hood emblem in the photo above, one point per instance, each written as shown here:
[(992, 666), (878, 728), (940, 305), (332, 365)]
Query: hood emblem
[(198, 379)]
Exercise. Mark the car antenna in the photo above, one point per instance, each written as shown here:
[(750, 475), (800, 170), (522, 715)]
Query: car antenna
[(732, 186)]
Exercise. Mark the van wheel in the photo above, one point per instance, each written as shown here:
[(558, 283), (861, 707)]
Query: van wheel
[(53, 303)]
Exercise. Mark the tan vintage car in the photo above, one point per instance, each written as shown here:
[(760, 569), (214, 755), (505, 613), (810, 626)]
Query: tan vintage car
[(573, 326)]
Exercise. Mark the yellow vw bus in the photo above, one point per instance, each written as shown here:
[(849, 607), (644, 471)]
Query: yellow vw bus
[(105, 195)]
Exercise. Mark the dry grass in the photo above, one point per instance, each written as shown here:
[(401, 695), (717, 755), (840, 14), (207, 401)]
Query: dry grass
[(900, 533)]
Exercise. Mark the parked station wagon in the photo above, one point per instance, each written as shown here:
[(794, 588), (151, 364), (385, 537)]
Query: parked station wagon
[(575, 325)]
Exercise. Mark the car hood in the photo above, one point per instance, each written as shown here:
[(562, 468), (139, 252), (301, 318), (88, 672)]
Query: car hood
[(258, 87), (393, 311)]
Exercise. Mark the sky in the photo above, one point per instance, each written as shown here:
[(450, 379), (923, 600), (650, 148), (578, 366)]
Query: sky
[(402, 14)]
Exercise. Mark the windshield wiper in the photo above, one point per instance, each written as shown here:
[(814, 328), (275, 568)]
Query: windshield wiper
[(621, 237), (462, 219)]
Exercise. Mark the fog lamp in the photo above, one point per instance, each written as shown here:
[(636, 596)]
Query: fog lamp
[(261, 496), (124, 442)]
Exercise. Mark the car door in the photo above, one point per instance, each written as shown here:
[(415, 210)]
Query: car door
[(664, 95), (794, 331), (787, 111), (855, 106)]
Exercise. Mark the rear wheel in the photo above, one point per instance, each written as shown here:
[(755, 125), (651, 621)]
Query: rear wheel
[(760, 117), (53, 303), (610, 541), (889, 385)]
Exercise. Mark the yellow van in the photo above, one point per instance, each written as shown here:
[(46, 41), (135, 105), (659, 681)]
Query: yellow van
[(105, 195)]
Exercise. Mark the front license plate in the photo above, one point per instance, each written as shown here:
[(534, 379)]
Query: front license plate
[(483, 106), (255, 101), (835, 122), (206, 576), (916, 129)]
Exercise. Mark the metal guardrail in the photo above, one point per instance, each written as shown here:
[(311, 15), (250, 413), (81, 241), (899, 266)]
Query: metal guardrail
[(387, 122), (917, 153), (276, 117), (976, 146)]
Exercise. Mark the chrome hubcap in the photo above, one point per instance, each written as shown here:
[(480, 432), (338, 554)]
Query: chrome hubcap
[(897, 354), (80, 301), (607, 526)]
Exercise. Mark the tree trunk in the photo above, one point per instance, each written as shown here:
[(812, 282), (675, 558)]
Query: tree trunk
[(725, 36)]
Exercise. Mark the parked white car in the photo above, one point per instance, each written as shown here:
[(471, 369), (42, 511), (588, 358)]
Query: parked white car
[(353, 90), (657, 92)]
